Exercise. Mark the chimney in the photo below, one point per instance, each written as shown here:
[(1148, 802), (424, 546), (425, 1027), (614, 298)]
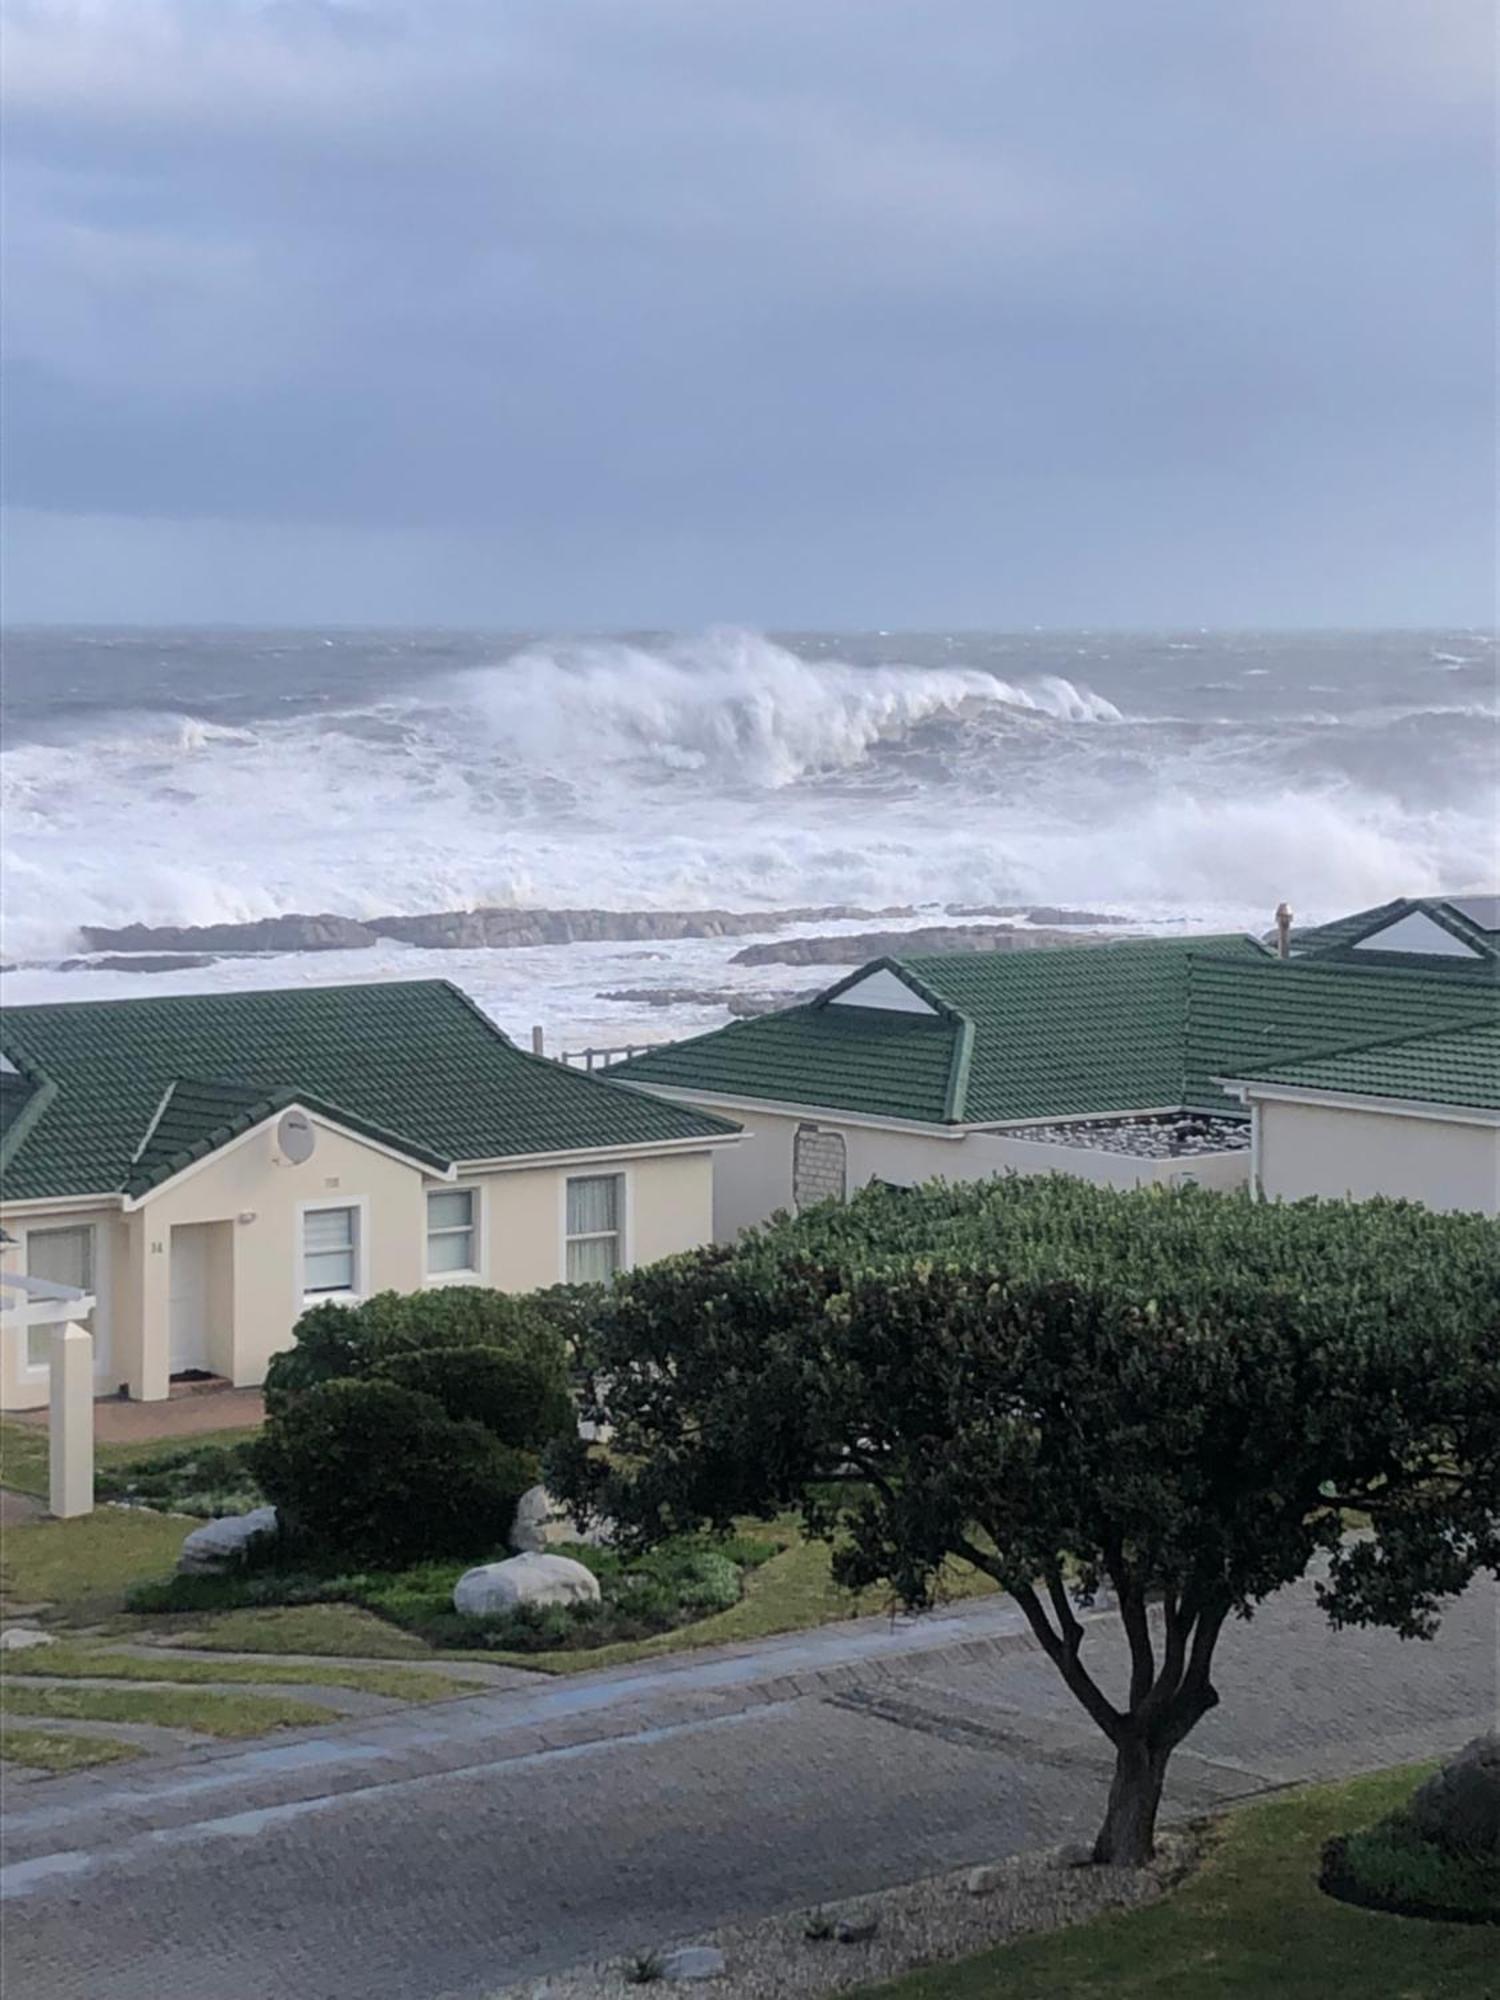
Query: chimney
[(1283, 931)]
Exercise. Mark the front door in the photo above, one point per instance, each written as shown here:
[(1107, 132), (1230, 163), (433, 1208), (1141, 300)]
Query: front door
[(192, 1252)]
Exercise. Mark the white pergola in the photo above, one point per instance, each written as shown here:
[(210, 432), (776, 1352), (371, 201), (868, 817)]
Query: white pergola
[(26, 1302)]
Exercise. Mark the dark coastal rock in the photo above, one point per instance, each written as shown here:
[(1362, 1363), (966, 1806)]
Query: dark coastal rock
[(1035, 913), (902, 944), (744, 1006), (145, 961), (459, 930), (486, 929), (295, 932)]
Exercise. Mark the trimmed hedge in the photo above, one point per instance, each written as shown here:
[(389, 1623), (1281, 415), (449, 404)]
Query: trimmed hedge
[(381, 1476), (523, 1399), (1392, 1867), (337, 1343)]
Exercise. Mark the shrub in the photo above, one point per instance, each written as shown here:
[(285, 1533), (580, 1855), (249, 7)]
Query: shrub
[(523, 1398), (380, 1475), (204, 1480), (337, 1343), (1392, 1866)]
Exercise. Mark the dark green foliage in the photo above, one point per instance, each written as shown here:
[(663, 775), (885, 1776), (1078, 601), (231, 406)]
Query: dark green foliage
[(335, 1342), (472, 1384), (1390, 1866), (1178, 1395), (197, 1478), (674, 1585), (378, 1474), (523, 1399)]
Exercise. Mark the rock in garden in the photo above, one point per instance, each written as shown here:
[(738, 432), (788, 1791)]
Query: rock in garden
[(1459, 1806), (19, 1638), (525, 1579), (856, 1930), (528, 1530), (694, 1961), (985, 1881), (222, 1544), (1074, 1855)]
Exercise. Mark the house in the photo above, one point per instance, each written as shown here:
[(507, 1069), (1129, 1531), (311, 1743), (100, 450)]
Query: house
[(1151, 1060), (1408, 1113), (207, 1166)]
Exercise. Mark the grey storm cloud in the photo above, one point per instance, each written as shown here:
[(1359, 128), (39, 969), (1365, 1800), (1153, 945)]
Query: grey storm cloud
[(838, 311)]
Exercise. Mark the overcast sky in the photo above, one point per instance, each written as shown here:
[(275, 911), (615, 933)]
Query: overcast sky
[(925, 313)]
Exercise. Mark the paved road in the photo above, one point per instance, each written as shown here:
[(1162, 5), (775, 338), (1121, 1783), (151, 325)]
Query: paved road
[(439, 1853)]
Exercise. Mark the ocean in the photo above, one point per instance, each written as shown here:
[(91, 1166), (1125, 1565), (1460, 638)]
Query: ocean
[(1172, 781)]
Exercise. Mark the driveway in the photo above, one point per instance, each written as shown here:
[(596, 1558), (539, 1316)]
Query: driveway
[(448, 1850)]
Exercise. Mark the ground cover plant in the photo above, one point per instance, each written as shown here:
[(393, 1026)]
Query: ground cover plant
[(656, 1592), (1176, 1396), (203, 1477), (1251, 1924), (407, 1428)]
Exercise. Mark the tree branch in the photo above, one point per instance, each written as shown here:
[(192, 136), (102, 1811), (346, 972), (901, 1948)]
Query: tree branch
[(1080, 1682)]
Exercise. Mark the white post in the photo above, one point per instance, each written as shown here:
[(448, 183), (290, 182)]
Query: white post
[(70, 1437)]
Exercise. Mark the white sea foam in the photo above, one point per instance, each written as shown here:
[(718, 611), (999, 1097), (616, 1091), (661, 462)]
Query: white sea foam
[(723, 770)]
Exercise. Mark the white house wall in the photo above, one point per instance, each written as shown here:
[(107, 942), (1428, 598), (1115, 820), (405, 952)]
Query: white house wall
[(257, 1269), (754, 1179), (1317, 1149)]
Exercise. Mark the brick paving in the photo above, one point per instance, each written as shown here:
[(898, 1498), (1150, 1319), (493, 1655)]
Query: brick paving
[(439, 1853), (187, 1412)]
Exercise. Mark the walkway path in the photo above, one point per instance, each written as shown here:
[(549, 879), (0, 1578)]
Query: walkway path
[(438, 1853)]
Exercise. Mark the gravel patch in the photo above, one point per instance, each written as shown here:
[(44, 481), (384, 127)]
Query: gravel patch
[(802, 1955)]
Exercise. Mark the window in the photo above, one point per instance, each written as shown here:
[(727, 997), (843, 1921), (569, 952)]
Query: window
[(819, 1169), (594, 1205), (66, 1257), (330, 1245), (452, 1238)]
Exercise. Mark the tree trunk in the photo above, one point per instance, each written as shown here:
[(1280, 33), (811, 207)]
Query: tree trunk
[(1127, 1838)]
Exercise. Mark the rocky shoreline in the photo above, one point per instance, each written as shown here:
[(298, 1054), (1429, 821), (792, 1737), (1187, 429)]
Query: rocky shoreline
[(161, 947), (929, 940)]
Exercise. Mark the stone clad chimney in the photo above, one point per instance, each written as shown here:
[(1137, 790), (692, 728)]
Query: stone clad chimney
[(1283, 930)]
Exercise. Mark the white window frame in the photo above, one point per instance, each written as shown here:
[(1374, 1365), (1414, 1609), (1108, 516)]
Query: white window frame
[(468, 1273), (622, 1232), (31, 1372), (360, 1206)]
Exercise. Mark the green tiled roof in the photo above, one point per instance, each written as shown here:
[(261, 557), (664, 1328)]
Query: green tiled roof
[(1243, 1017), (1339, 939), (1071, 1033), (1444, 1066), (138, 1089), (1035, 1034)]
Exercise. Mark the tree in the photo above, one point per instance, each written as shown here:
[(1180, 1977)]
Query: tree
[(1177, 1398)]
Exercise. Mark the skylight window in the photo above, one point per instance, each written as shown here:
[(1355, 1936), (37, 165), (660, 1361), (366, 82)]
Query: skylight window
[(1481, 911)]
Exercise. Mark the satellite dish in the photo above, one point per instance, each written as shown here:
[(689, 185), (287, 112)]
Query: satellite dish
[(295, 1137)]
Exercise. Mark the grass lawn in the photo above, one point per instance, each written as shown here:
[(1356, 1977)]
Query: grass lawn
[(84, 1567), (23, 1453), (337, 1630), (791, 1592), (1252, 1925), (175, 1708), (77, 1662), (52, 1750)]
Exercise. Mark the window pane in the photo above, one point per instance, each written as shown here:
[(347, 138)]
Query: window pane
[(452, 1251), (593, 1204), (329, 1271), (328, 1229), (451, 1210), (593, 1260), (66, 1256)]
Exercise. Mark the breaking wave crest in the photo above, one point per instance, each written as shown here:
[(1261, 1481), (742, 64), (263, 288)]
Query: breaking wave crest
[(727, 770)]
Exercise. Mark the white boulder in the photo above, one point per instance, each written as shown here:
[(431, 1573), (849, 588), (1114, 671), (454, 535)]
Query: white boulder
[(541, 1520), (694, 1961), (20, 1638), (525, 1579), (222, 1544)]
